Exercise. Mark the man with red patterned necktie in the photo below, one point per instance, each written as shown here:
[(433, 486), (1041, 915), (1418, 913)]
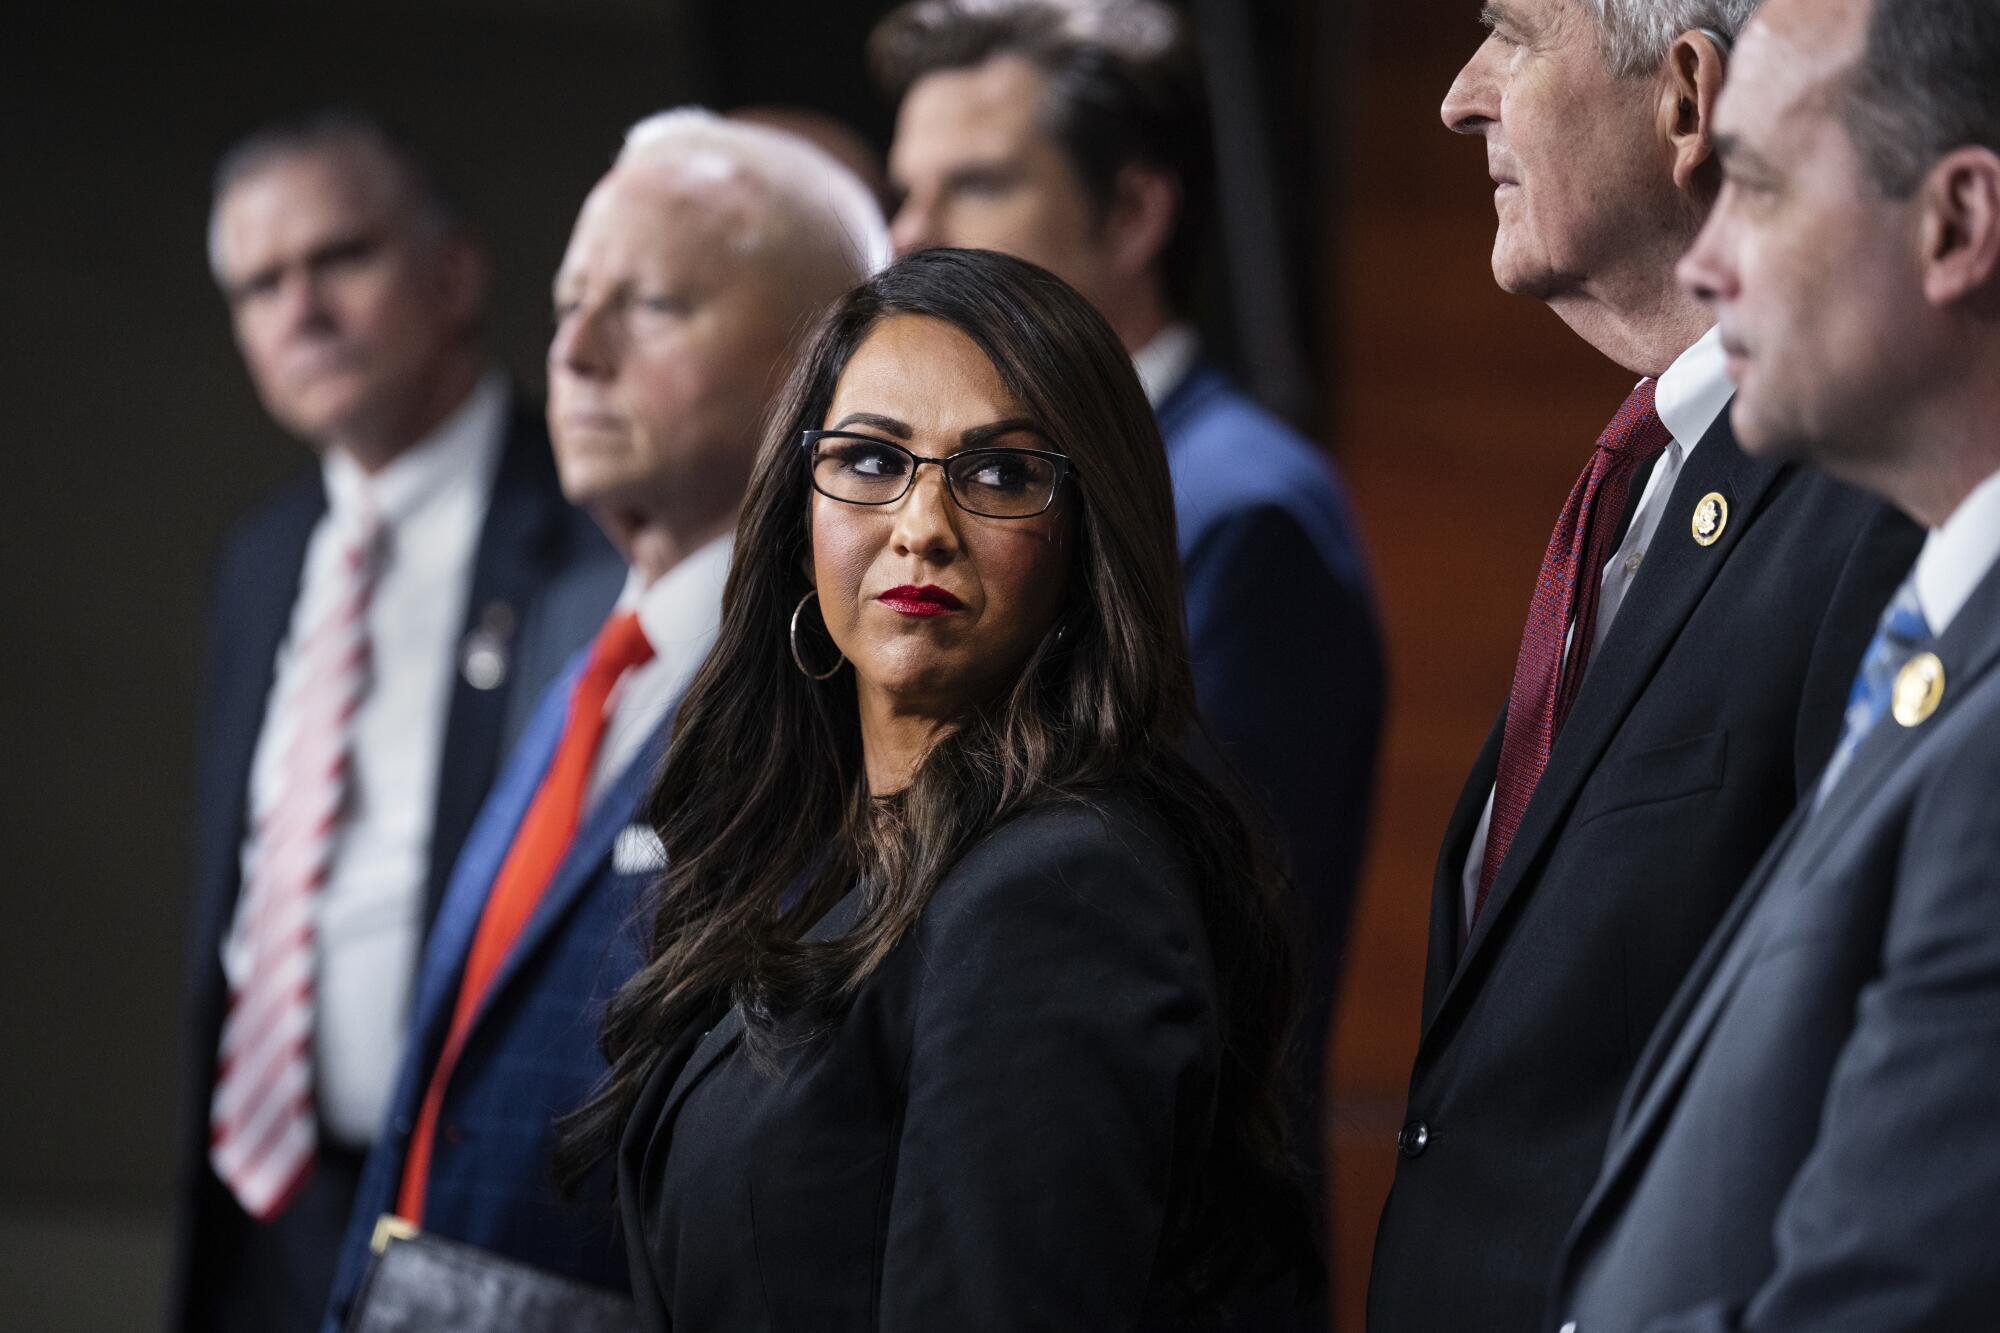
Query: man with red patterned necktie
[(1679, 684), (362, 688), (691, 266)]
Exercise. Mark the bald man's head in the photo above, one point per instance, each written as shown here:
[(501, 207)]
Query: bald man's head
[(694, 263)]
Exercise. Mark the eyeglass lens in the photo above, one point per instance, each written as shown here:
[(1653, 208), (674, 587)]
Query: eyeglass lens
[(998, 483)]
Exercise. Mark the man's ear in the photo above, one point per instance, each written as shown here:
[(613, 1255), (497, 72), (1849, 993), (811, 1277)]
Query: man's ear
[(1960, 229), (1696, 65), (1145, 207)]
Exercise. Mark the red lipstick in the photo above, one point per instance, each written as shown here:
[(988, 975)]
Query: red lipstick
[(925, 601)]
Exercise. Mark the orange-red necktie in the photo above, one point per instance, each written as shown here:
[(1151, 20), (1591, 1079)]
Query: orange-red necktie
[(539, 848)]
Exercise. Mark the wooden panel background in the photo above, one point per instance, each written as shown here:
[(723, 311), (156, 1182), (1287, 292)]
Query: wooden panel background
[(1460, 417)]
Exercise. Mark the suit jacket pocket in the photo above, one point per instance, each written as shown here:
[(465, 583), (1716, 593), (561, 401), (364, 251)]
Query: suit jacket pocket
[(1662, 773)]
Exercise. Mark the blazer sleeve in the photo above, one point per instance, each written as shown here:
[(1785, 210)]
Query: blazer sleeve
[(1888, 1223), (1062, 1063)]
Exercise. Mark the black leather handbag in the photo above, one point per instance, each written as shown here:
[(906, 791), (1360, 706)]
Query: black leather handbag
[(420, 1283)]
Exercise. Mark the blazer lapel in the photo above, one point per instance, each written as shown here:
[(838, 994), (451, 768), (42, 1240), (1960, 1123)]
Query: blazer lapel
[(586, 858), (1704, 994), (240, 692), (522, 521), (485, 852), (1670, 584), (1969, 651), (719, 1040), (1676, 1040)]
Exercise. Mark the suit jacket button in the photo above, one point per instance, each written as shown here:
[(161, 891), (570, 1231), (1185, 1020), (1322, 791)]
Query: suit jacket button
[(1414, 1138)]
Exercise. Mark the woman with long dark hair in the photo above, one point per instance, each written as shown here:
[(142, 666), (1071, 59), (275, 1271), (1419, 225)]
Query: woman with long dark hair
[(966, 991)]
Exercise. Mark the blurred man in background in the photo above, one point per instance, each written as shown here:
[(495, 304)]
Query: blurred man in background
[(1076, 135), (1679, 683), (692, 266), (1808, 1142), (359, 680)]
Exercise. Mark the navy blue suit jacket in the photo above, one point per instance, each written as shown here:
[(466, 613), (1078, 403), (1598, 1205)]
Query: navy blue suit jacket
[(1287, 660), (530, 535), (531, 1055)]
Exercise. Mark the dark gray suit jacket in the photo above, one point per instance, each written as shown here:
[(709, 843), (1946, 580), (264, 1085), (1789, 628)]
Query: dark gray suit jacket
[(1811, 1139)]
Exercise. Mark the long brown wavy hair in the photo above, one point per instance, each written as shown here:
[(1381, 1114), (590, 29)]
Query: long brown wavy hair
[(763, 804)]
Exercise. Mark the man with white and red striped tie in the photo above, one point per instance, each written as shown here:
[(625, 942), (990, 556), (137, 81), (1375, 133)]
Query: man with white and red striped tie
[(1679, 683), (361, 680), (692, 265)]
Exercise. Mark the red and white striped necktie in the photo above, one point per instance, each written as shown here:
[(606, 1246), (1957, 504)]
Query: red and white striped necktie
[(263, 1130)]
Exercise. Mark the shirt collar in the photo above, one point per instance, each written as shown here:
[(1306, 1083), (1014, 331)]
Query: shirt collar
[(1165, 361), (1957, 555), (1694, 390), (465, 446), (684, 605)]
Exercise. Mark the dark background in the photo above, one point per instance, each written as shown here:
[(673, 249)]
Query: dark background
[(1359, 303)]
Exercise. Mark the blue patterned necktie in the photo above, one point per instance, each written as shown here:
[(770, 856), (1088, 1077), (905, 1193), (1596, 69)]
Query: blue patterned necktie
[(1901, 631)]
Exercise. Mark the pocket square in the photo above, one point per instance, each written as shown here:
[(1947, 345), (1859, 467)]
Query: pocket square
[(638, 851)]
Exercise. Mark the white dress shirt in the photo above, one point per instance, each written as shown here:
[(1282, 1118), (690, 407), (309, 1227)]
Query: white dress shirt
[(680, 613), (1957, 555), (1690, 396), (432, 502)]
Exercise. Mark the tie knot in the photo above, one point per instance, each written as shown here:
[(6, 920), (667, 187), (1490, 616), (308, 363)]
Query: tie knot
[(1636, 433), (620, 645), (366, 541), (1903, 619)]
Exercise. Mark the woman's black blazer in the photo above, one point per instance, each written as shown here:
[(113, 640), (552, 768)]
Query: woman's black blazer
[(993, 1136)]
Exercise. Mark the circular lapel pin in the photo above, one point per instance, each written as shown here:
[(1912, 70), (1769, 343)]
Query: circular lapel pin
[(1919, 689), (1711, 516), (483, 658)]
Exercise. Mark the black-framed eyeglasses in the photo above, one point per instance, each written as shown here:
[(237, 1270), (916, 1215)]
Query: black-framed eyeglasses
[(993, 483)]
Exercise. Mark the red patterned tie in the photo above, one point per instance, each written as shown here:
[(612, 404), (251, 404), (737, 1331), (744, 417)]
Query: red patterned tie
[(1566, 592), (263, 1131)]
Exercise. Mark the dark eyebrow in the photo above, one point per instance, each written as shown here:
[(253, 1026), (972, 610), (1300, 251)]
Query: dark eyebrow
[(1494, 13), (892, 426), (980, 435)]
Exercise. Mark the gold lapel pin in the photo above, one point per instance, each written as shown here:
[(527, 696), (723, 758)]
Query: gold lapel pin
[(1711, 516), (1919, 689)]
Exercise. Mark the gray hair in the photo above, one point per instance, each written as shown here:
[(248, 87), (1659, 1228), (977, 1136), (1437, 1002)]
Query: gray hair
[(334, 130), (812, 210), (1927, 82), (1637, 34)]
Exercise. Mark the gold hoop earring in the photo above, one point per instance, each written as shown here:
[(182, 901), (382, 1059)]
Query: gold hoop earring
[(798, 659)]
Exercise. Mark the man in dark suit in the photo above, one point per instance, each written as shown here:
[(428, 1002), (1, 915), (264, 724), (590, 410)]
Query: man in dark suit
[(358, 682), (1808, 1140), (1679, 683), (1077, 136), (692, 265)]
